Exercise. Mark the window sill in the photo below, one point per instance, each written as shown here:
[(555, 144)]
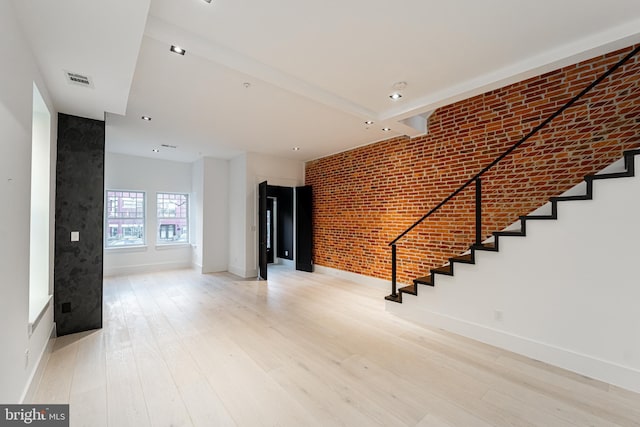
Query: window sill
[(132, 248), (164, 246), (35, 314)]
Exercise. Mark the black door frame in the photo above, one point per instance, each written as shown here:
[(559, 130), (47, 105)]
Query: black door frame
[(262, 230)]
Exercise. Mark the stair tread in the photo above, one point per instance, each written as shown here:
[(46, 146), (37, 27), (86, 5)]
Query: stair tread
[(411, 289), (568, 198), (445, 269), (509, 233), (485, 246), (468, 259), (396, 298), (527, 217), (611, 175), (424, 280)]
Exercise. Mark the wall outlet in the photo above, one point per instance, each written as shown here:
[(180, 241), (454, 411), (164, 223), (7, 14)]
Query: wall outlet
[(286, 253), (75, 236), (497, 315)]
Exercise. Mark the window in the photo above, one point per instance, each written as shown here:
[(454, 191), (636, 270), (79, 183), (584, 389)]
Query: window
[(173, 218), (40, 231), (125, 218)]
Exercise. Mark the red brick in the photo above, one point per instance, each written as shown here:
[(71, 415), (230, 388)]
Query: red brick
[(365, 197)]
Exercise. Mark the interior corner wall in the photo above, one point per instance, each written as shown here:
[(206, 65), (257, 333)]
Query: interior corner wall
[(364, 198), (17, 75), (237, 215), (79, 207), (215, 231), (210, 213), (124, 172)]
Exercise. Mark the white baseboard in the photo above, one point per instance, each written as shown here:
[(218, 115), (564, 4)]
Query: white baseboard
[(145, 268), (355, 277), (215, 269), (236, 271), (602, 370), (34, 381), (245, 274)]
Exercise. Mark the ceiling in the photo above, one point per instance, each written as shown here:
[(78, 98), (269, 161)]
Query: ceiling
[(270, 76)]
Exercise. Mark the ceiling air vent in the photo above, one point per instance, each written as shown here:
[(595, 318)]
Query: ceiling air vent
[(78, 79)]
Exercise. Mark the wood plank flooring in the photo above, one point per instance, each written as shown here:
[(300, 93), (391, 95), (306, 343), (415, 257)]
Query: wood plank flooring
[(183, 349)]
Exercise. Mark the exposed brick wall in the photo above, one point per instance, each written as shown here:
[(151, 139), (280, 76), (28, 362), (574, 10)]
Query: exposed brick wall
[(365, 197)]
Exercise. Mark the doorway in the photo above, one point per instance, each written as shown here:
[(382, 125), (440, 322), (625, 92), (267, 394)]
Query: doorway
[(284, 229)]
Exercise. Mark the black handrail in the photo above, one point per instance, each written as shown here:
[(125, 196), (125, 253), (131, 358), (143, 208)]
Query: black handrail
[(476, 177), (523, 140)]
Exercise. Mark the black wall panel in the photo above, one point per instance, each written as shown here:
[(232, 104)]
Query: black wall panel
[(304, 228), (79, 207)]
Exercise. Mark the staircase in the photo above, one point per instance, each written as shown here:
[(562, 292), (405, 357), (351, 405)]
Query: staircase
[(568, 294), (493, 244), (480, 243)]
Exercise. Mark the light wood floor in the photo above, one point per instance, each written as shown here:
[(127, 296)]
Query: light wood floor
[(180, 349)]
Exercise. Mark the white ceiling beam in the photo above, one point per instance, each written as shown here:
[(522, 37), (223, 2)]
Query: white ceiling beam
[(171, 35)]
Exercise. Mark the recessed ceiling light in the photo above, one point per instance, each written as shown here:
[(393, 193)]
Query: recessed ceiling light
[(395, 95), (147, 118), (208, 1), (155, 150), (296, 148), (177, 49), (386, 129), (368, 122)]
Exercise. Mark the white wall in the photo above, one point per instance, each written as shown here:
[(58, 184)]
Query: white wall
[(568, 293), (223, 209), (124, 172), (210, 236), (237, 216), (17, 75)]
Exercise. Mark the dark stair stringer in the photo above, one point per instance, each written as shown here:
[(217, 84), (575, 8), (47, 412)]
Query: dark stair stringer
[(469, 258)]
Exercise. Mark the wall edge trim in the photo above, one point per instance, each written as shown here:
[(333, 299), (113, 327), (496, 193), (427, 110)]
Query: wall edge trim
[(36, 376)]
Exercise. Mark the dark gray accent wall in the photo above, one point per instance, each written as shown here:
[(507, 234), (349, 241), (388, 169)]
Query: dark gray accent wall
[(304, 228), (79, 207)]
